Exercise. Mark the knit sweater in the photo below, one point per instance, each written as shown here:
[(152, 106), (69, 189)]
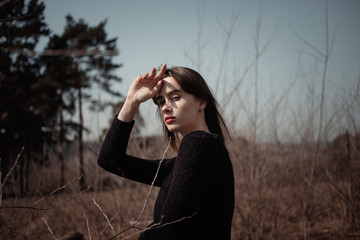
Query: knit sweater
[(196, 197)]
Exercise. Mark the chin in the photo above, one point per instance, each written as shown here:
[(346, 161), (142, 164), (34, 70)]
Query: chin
[(172, 129)]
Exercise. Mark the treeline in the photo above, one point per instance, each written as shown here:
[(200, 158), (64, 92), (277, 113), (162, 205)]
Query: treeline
[(41, 91)]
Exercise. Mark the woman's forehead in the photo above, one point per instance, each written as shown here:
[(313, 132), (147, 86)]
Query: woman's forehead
[(169, 86)]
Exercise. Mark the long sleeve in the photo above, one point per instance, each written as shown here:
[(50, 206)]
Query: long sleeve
[(200, 193), (113, 157)]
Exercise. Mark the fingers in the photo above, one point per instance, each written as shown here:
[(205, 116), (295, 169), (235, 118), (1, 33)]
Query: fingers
[(145, 75), (152, 75), (161, 72), (138, 78), (149, 76), (156, 88)]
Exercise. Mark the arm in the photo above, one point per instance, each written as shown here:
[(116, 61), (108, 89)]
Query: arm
[(112, 156), (114, 159)]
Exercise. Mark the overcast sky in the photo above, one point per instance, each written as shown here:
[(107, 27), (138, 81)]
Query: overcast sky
[(167, 31)]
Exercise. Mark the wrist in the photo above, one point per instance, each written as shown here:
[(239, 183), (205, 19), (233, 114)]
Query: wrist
[(128, 110), (131, 103)]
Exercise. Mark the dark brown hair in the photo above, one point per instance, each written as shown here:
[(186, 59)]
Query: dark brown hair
[(193, 83)]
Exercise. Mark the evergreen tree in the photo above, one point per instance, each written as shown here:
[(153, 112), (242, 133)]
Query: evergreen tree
[(86, 59), (59, 73), (41, 91), (24, 118)]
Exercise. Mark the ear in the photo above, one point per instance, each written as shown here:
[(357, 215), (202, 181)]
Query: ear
[(203, 104)]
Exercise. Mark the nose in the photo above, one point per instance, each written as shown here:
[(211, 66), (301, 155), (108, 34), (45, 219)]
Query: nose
[(166, 108)]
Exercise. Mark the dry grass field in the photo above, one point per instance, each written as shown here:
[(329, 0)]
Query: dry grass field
[(302, 191)]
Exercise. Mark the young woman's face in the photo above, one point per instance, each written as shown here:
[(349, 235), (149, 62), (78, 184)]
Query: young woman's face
[(181, 111)]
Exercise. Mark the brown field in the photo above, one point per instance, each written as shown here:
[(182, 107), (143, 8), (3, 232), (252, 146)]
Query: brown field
[(301, 191)]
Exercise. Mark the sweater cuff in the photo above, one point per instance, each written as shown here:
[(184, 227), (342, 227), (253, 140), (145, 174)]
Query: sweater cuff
[(118, 126), (117, 123)]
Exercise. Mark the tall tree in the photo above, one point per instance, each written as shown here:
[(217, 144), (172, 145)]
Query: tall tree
[(91, 62), (24, 116), (59, 73)]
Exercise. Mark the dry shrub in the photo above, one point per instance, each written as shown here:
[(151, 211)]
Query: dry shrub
[(119, 199), (275, 197), (277, 200)]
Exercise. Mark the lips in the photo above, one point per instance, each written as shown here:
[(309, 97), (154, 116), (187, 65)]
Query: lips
[(169, 119)]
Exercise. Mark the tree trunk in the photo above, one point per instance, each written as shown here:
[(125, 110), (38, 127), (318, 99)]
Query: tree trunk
[(61, 139), (81, 147), (21, 192), (27, 168)]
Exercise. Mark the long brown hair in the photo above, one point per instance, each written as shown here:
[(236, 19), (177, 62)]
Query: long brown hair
[(193, 83)]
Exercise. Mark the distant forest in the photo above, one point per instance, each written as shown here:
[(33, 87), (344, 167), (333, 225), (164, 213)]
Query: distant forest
[(42, 91)]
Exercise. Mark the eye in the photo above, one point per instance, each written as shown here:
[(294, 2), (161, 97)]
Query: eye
[(175, 98), (161, 102)]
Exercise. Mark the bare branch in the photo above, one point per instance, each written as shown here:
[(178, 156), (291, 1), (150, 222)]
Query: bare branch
[(63, 52), (111, 219), (147, 197), (153, 182), (12, 168), (15, 18), (107, 219), (158, 225), (62, 187), (228, 31), (341, 193), (237, 86), (307, 42), (87, 225), (48, 227), (50, 207)]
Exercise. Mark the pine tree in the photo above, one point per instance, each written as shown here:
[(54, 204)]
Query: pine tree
[(24, 119), (86, 59), (39, 90)]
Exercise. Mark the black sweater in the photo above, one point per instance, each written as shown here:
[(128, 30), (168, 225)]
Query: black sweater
[(196, 187)]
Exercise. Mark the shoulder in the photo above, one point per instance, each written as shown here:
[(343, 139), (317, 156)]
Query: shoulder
[(200, 152), (200, 138), (199, 142)]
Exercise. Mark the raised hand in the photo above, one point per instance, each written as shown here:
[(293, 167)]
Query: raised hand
[(142, 89), (146, 86)]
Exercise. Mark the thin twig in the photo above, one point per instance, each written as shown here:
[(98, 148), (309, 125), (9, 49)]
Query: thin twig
[(48, 227), (147, 197), (15, 18), (341, 193), (62, 187), (8, 174), (111, 219), (123, 204), (229, 31), (307, 43), (50, 207), (62, 52), (107, 219), (12, 168), (152, 184), (159, 225), (87, 225)]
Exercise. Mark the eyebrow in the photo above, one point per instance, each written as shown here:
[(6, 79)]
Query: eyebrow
[(169, 93)]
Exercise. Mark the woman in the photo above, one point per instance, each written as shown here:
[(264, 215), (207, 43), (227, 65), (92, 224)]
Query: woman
[(196, 197)]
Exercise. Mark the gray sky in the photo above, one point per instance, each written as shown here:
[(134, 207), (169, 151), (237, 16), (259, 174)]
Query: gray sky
[(154, 32)]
